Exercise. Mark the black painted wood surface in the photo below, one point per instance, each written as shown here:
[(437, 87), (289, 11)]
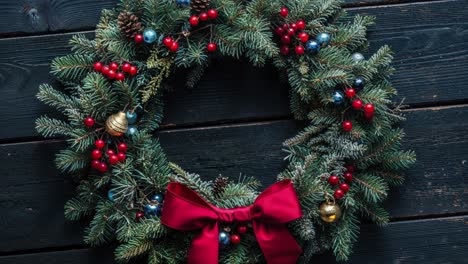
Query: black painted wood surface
[(212, 128)]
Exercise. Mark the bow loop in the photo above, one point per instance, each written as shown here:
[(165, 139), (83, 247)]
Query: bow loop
[(236, 215)]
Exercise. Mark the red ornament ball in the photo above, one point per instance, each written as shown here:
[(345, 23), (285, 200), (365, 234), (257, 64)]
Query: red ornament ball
[(279, 31), (174, 46), (338, 194), (242, 229), (299, 50), (98, 66), (122, 147), (167, 41), (369, 109), (102, 167), (350, 168), (96, 154), (126, 67), (133, 70), (121, 156), (357, 104), (105, 70), (301, 24), (95, 164), (286, 39), (347, 126), (348, 176), (194, 20), (333, 180), (204, 16), (344, 187), (139, 38), (350, 93), (139, 216), (212, 13), (120, 76), (304, 37), (89, 122), (111, 74), (284, 12), (284, 50), (114, 66), (235, 239), (99, 143), (113, 159), (211, 47)]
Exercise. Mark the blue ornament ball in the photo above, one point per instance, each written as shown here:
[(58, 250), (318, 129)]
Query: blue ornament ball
[(150, 35), (131, 117), (224, 239), (110, 195), (323, 39), (183, 2), (357, 57), (312, 46), (157, 198), (338, 97), (359, 83), (132, 130), (152, 210)]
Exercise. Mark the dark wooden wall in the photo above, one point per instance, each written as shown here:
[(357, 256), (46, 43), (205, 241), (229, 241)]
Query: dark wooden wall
[(215, 124)]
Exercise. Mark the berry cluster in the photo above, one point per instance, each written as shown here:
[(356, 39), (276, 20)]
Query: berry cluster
[(343, 187), (112, 157), (204, 16), (227, 236), (112, 72), (171, 44)]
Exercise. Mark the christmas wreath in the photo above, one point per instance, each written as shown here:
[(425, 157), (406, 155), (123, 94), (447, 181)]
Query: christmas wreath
[(341, 164)]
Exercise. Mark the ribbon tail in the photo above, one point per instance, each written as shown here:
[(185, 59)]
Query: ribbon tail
[(204, 247), (277, 243)]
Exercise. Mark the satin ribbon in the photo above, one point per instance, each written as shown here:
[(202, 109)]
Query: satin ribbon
[(185, 210)]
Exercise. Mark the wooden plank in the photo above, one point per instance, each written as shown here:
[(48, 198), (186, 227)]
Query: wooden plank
[(46, 16), (237, 91), (428, 241), (34, 193)]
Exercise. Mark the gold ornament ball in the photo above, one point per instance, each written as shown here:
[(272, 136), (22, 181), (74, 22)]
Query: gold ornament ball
[(330, 212), (117, 125)]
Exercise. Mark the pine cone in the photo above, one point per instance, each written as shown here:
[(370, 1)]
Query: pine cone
[(219, 184), (199, 5), (129, 24)]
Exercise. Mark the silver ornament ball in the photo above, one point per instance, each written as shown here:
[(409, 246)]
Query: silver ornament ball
[(357, 57)]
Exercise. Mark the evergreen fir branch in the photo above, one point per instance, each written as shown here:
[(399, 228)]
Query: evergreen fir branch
[(75, 209), (50, 127), (57, 99), (133, 248), (374, 189), (71, 161), (72, 68), (195, 75), (82, 45), (100, 230)]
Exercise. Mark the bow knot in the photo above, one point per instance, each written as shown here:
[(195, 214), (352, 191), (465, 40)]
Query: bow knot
[(185, 210)]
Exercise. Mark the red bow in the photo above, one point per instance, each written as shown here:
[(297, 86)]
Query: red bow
[(185, 210)]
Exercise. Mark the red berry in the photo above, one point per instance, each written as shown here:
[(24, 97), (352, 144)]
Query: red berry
[(99, 143), (368, 116), (235, 239), (357, 104), (139, 38), (284, 50), (111, 74), (139, 216), (350, 93), (121, 157), (285, 39), (301, 24), (333, 180), (105, 70), (285, 26), (348, 176), (338, 194), (211, 47), (110, 152), (293, 26), (102, 167), (213, 13), (168, 41), (114, 66), (369, 109), (350, 168), (194, 20), (284, 12), (347, 126), (89, 122), (304, 37), (113, 159), (122, 147), (133, 70), (120, 76), (98, 66), (344, 187), (126, 67), (174, 47), (291, 32), (96, 154), (279, 31), (242, 229), (95, 164), (204, 16), (299, 50)]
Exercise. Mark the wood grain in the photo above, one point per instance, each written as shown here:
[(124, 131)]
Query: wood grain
[(421, 241), (431, 60), (33, 197)]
